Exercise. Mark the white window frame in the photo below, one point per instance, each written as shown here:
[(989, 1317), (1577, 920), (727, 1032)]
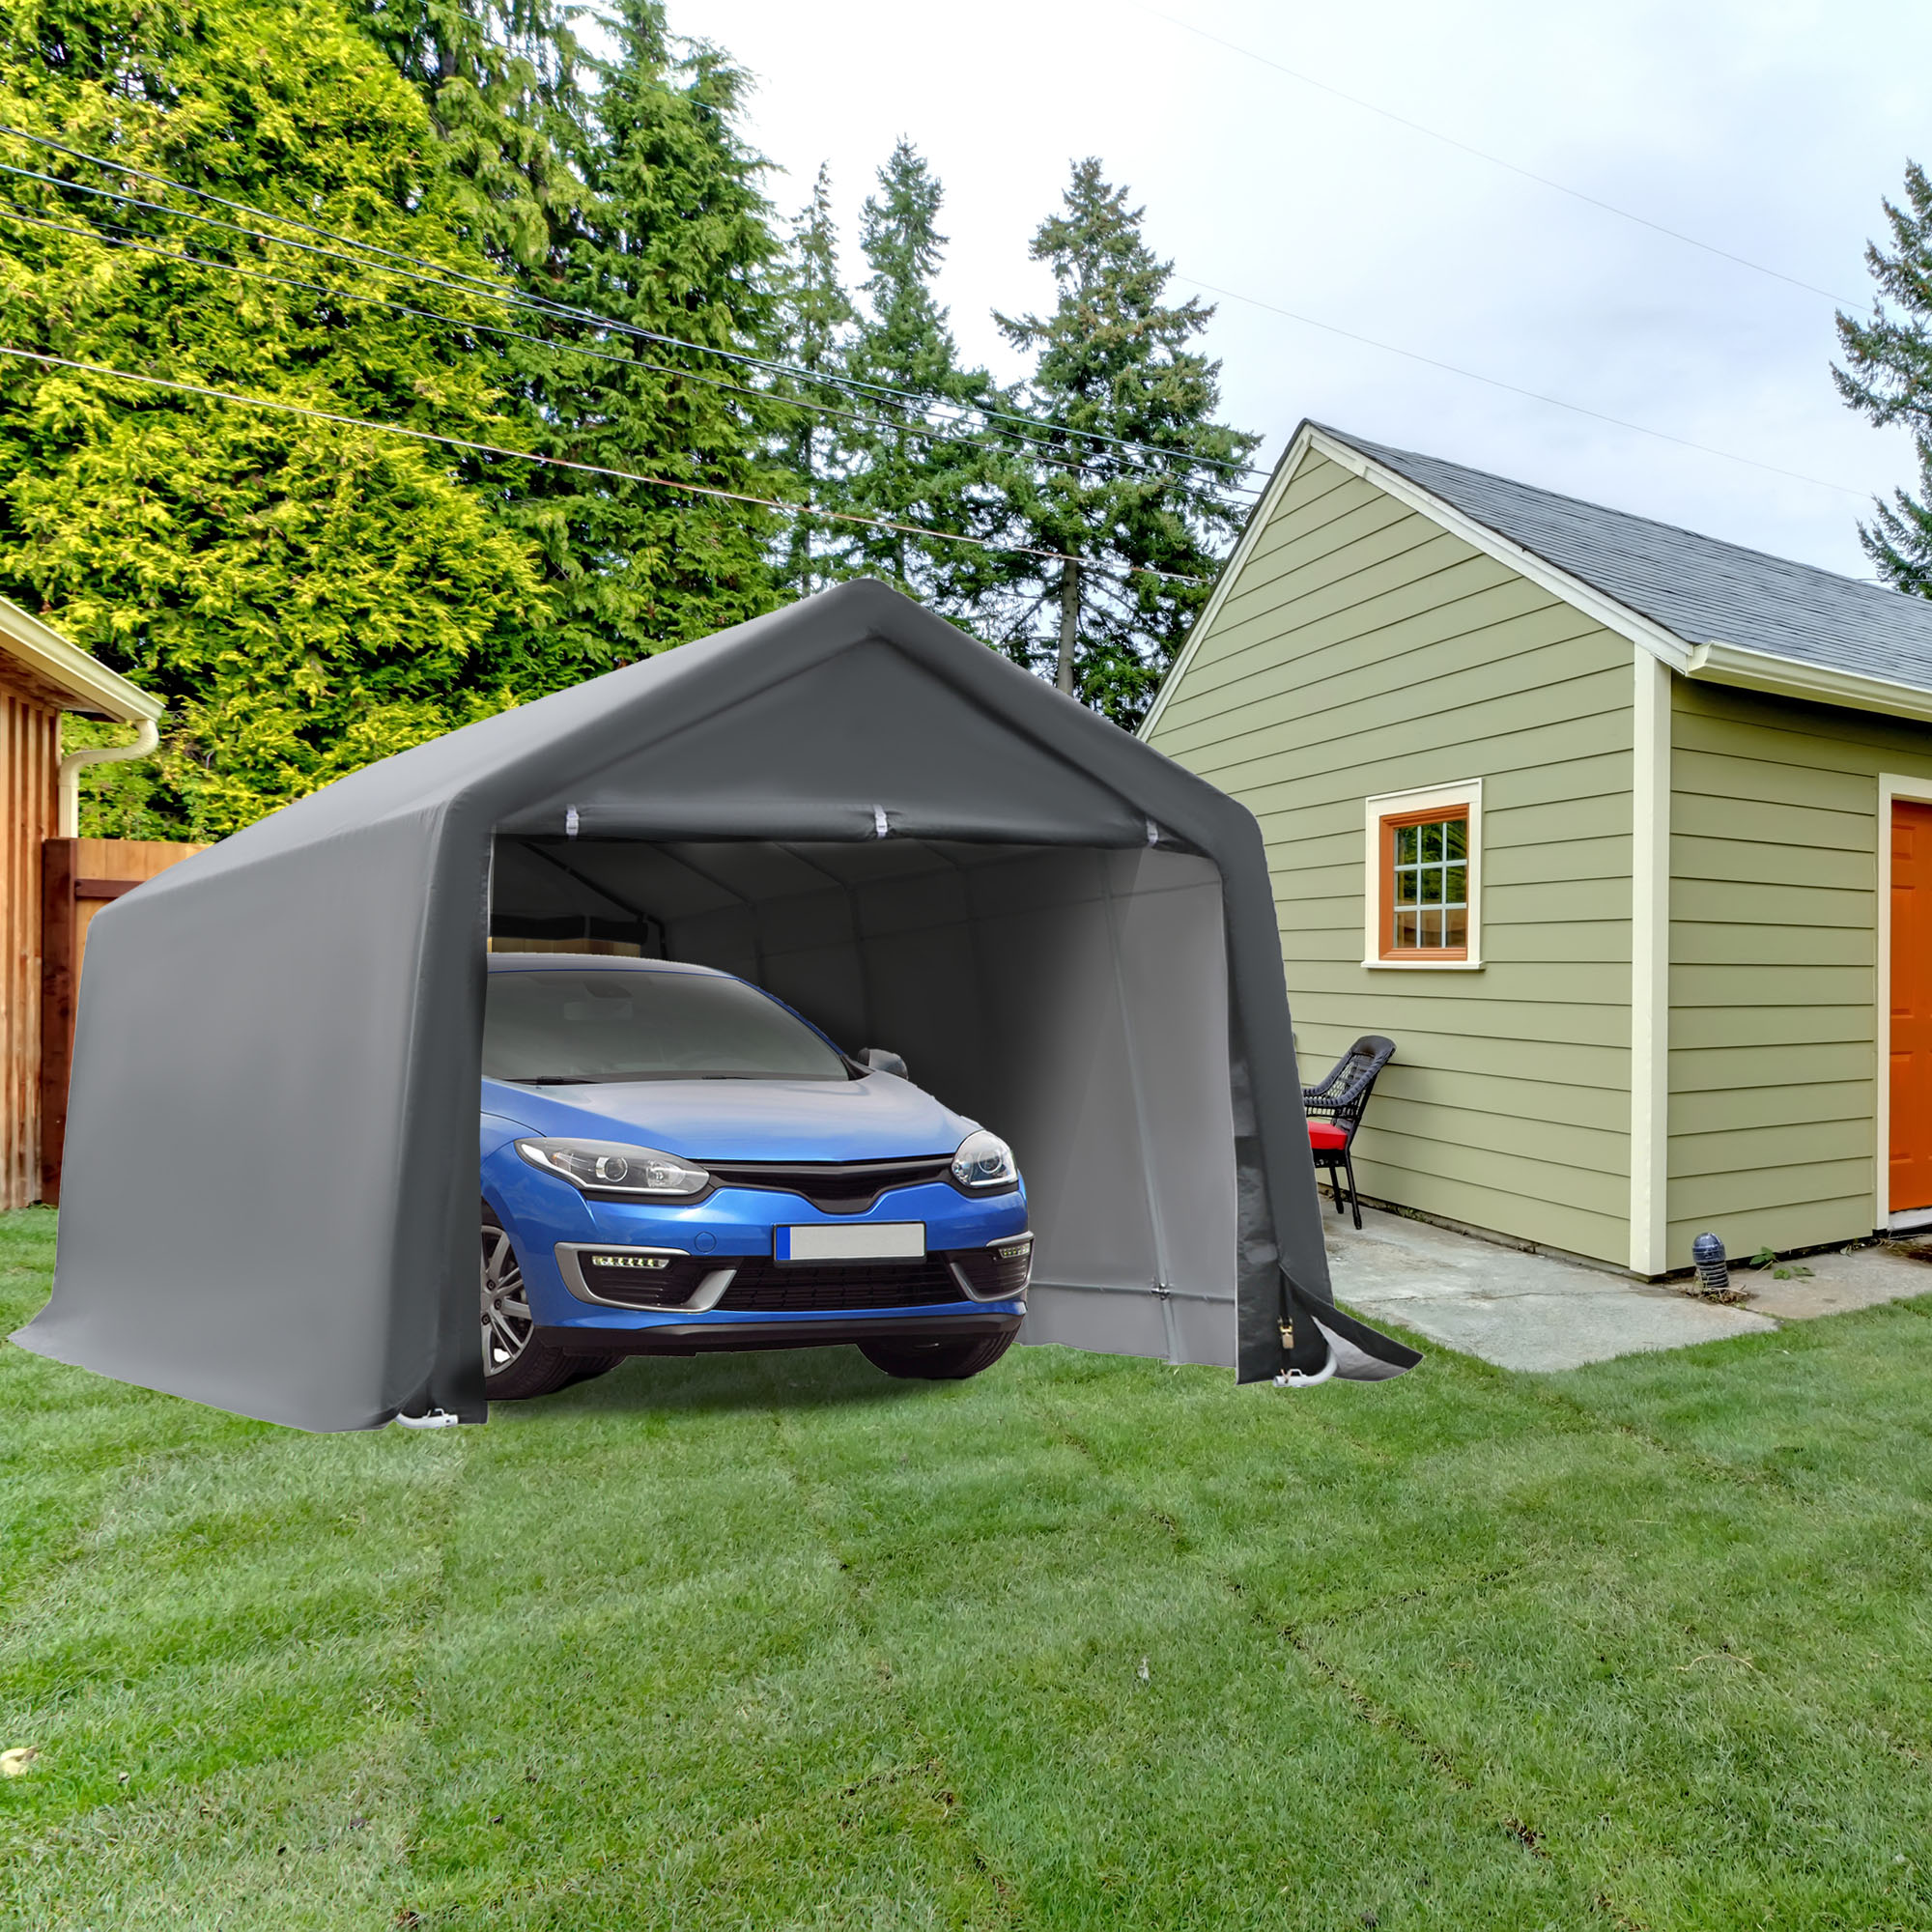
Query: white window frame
[(1466, 796)]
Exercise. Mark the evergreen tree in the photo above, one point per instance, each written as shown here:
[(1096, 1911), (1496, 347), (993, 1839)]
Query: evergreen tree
[(1888, 379), (501, 81), (306, 596), (814, 318), (1111, 361), (904, 346), (674, 236)]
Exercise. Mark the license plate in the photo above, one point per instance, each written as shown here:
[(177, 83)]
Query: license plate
[(876, 1241)]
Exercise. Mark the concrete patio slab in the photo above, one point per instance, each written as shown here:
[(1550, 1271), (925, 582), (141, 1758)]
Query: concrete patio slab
[(1838, 1282), (1517, 1310)]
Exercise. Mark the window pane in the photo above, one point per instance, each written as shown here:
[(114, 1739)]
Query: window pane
[(1456, 838), (1432, 841), (1404, 927), (1457, 926), (1404, 888), (1431, 889), (1429, 932), (1455, 885)]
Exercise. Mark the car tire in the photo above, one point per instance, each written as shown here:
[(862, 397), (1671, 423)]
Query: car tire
[(937, 1361), (515, 1365)]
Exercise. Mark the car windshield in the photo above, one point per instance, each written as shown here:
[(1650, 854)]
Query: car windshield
[(564, 1026)]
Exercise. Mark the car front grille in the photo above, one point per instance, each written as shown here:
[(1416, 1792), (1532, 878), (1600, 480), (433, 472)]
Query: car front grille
[(794, 1289), (833, 1188)]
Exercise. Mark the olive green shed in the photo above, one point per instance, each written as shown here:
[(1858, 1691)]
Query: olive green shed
[(1679, 759)]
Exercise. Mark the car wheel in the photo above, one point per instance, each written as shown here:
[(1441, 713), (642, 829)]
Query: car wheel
[(515, 1365), (949, 1361)]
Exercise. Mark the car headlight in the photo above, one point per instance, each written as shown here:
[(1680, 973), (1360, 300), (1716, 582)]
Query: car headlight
[(609, 1167), (985, 1161)]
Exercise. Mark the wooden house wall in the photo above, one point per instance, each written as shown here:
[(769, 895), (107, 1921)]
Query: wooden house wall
[(1774, 932), (29, 767), (1363, 649)]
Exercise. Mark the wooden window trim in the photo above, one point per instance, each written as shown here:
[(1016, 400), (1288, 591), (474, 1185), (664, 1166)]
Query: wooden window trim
[(1383, 817), (1400, 821)]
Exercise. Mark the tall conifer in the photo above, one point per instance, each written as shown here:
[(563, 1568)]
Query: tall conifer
[(674, 236), (814, 318), (1888, 378), (1112, 366), (905, 347)]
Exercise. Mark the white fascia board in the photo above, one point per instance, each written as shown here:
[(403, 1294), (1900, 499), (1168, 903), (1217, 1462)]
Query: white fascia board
[(1666, 646), (88, 681), (1789, 677), (1258, 520)]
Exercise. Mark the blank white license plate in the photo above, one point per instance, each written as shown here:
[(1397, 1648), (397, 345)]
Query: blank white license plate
[(877, 1241)]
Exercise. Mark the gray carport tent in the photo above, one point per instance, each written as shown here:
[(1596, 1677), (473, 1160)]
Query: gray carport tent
[(271, 1185)]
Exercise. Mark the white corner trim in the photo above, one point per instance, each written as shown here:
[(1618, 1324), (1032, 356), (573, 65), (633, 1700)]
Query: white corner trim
[(1468, 794), (1259, 519), (1716, 663), (1890, 785), (1650, 967), (85, 680)]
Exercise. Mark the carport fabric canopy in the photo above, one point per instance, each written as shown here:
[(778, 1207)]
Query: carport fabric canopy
[(270, 1186)]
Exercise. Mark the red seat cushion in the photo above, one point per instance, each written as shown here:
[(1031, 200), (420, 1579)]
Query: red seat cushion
[(1327, 1135)]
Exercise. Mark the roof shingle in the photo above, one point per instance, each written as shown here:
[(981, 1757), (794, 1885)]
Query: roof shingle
[(1701, 590)]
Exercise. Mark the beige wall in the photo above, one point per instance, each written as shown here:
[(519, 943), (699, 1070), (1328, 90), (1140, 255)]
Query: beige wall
[(1362, 650), (1773, 1029)]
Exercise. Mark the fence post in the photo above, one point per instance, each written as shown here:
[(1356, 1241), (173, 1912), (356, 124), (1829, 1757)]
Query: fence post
[(59, 943)]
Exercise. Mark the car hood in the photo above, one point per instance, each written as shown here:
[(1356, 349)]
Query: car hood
[(879, 1118)]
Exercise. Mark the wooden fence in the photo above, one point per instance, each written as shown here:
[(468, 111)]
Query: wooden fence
[(78, 877)]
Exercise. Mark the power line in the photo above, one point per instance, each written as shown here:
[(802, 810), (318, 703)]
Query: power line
[(1496, 161), (483, 290), (587, 469), (13, 212), (1513, 389)]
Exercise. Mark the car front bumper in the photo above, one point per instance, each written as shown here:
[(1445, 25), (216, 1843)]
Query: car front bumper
[(547, 1219), (710, 1335)]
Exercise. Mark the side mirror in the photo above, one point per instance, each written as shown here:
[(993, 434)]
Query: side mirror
[(879, 1061)]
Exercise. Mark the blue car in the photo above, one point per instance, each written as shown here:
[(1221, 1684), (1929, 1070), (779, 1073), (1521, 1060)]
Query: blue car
[(675, 1161)]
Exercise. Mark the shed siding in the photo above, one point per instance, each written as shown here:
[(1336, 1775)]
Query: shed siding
[(29, 759), (1362, 650), (1773, 966)]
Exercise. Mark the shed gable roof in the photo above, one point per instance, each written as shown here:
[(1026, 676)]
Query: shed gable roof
[(1701, 589), (1709, 610)]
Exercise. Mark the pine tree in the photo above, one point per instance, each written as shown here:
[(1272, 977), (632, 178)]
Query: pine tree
[(1112, 367), (814, 316), (1888, 379), (674, 236), (306, 596), (905, 347)]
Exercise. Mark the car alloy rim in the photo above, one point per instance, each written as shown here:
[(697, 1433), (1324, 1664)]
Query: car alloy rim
[(507, 1322)]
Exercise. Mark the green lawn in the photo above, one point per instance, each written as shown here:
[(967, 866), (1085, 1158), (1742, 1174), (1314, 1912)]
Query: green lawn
[(775, 1642)]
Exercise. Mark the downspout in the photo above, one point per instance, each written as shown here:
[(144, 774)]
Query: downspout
[(67, 819)]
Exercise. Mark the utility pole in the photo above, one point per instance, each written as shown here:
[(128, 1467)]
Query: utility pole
[(1069, 622)]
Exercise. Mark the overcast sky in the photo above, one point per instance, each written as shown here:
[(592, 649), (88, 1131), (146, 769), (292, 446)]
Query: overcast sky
[(1771, 129)]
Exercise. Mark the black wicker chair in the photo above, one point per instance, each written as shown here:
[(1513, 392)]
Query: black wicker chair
[(1335, 1106)]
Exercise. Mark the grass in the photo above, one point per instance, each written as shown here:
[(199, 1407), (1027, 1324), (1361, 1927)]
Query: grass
[(774, 1642)]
